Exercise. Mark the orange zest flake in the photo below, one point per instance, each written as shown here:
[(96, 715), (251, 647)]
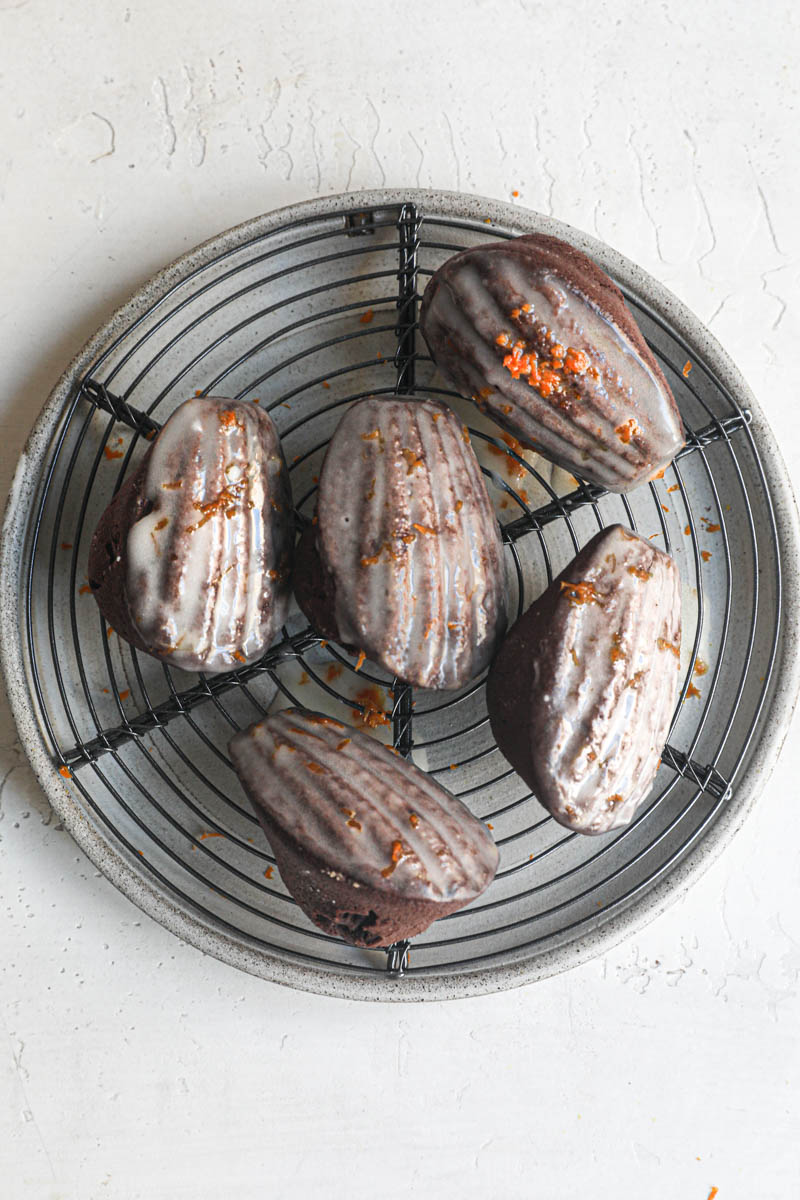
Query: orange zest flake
[(515, 193), (83, 589), (412, 460), (332, 671), (237, 654), (575, 658), (705, 555), (503, 339), (626, 431), (688, 530), (303, 678), (453, 767), (109, 632), (396, 856), (268, 873), (124, 694), (371, 713), (700, 667), (614, 800), (171, 487), (66, 545), (112, 453), (360, 661), (225, 502), (465, 434), (423, 529), (413, 820), (366, 317), (316, 768), (459, 505), (256, 399), (616, 648), (712, 1193), (325, 383), (580, 593), (710, 526), (687, 366), (692, 691), (209, 833), (227, 418), (351, 818), (673, 487), (515, 469), (65, 771), (663, 644), (162, 524), (369, 437), (639, 572), (514, 313), (344, 742)]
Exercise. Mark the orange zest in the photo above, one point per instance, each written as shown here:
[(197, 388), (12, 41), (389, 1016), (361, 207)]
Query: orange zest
[(580, 593), (626, 431), (396, 856)]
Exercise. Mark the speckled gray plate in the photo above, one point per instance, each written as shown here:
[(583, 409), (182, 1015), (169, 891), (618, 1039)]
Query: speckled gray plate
[(299, 308)]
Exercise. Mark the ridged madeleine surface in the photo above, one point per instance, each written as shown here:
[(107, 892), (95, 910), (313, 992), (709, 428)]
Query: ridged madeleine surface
[(541, 339), (409, 544), (191, 560), (582, 692), (371, 847)]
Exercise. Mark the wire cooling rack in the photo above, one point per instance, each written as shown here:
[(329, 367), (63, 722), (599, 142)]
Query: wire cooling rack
[(305, 312)]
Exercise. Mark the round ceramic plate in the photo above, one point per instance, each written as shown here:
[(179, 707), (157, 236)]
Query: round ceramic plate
[(306, 310)]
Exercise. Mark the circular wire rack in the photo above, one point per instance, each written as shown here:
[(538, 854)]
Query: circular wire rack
[(305, 312)]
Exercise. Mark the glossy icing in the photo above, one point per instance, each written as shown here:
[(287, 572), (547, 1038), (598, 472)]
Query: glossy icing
[(406, 529), (208, 565), (361, 810), (593, 666), (548, 363)]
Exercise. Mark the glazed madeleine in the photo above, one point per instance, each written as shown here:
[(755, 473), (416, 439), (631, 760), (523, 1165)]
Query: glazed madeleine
[(583, 689), (405, 561), (371, 848), (541, 339), (191, 560)]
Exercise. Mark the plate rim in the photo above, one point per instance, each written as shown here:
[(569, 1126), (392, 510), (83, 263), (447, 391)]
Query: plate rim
[(181, 920)]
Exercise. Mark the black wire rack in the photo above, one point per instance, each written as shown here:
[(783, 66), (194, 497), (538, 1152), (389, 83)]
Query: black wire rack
[(305, 318)]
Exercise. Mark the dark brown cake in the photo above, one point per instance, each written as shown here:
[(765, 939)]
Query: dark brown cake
[(371, 848), (582, 691), (191, 560), (405, 561), (541, 339)]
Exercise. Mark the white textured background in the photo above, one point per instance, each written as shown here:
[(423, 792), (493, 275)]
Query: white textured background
[(130, 1065)]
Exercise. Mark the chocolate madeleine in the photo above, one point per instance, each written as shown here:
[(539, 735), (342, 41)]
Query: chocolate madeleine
[(405, 560), (371, 848), (190, 562), (582, 692), (541, 339)]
